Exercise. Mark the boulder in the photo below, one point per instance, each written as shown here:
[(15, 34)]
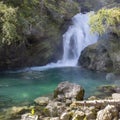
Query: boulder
[(66, 90), (42, 100), (108, 113), (102, 56)]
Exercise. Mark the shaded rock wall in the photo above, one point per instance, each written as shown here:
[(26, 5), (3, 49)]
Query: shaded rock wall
[(102, 56)]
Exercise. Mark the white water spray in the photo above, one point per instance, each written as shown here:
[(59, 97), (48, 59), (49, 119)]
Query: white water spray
[(77, 37)]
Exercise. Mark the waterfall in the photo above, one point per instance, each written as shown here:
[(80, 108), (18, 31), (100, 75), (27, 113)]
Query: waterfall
[(77, 37)]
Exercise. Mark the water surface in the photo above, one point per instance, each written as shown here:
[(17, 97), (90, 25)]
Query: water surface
[(24, 87)]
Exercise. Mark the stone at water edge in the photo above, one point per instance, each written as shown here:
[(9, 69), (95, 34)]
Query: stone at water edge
[(16, 111), (27, 116), (42, 100), (67, 90), (116, 96)]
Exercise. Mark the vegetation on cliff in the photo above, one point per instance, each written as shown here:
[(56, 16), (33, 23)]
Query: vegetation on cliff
[(19, 17), (106, 20), (32, 26)]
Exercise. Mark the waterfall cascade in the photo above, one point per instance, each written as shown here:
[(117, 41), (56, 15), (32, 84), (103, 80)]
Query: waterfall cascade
[(76, 38)]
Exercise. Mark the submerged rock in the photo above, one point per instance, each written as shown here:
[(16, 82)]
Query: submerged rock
[(105, 90), (66, 90), (110, 76)]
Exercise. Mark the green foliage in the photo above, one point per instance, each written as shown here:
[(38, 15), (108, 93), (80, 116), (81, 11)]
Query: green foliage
[(106, 19), (19, 17), (61, 7), (8, 23)]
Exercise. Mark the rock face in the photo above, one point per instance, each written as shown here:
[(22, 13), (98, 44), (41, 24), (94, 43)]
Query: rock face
[(109, 113), (102, 56), (66, 90)]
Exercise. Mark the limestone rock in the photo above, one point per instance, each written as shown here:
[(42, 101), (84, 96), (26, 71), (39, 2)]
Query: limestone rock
[(66, 90), (50, 118), (45, 118), (116, 96), (15, 111), (54, 109), (42, 100), (27, 116), (78, 115), (108, 113), (65, 116), (54, 118)]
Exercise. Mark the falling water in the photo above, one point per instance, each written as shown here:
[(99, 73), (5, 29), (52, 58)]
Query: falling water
[(77, 37)]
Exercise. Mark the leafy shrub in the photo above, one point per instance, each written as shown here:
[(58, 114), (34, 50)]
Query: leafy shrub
[(106, 19)]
